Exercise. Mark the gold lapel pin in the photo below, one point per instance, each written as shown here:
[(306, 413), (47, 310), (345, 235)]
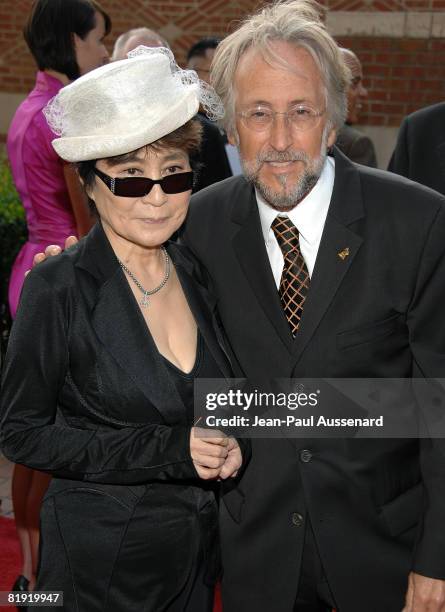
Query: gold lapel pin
[(343, 254)]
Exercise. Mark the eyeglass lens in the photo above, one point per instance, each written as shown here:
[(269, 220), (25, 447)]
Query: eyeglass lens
[(140, 186)]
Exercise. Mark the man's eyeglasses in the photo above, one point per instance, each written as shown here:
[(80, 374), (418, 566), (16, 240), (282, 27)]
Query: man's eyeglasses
[(138, 186), (300, 117)]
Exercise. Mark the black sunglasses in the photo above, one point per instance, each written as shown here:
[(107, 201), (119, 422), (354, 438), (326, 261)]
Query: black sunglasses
[(139, 186)]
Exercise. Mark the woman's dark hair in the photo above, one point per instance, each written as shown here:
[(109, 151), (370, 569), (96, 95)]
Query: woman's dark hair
[(50, 28), (187, 138)]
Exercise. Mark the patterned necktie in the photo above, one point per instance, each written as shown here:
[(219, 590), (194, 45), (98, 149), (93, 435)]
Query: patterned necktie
[(294, 283)]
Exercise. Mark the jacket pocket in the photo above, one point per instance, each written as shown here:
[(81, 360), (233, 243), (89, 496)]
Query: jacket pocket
[(124, 495), (404, 511), (368, 333)]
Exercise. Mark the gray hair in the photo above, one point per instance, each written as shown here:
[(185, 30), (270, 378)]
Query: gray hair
[(148, 37), (294, 21)]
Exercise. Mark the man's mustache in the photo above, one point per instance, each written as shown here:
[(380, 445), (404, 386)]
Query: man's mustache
[(283, 156)]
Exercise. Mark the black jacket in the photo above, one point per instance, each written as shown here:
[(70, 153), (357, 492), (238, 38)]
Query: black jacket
[(211, 161), (420, 150), (95, 386), (357, 146)]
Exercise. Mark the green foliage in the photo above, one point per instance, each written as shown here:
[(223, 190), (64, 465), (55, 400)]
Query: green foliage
[(13, 231), (13, 234), (11, 209)]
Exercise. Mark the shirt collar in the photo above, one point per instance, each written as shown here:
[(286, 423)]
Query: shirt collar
[(310, 215)]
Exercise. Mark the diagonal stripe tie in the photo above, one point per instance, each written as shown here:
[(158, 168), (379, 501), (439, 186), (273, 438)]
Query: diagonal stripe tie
[(294, 284)]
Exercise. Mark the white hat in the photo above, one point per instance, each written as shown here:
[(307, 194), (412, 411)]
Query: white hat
[(125, 105)]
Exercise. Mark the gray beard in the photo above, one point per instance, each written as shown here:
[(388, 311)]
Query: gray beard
[(286, 198)]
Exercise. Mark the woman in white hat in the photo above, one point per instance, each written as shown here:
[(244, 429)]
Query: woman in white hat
[(98, 379)]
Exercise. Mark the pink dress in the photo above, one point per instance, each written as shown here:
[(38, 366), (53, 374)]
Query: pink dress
[(38, 176)]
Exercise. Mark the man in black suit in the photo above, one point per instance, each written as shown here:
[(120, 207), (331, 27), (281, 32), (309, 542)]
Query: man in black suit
[(353, 143), (420, 150), (322, 268)]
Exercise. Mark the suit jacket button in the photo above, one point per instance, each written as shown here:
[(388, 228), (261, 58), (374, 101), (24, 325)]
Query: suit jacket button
[(305, 456), (297, 519)]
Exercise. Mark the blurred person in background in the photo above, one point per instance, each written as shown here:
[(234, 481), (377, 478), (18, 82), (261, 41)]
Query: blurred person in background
[(353, 143), (65, 38), (213, 158), (420, 150), (128, 41), (200, 56)]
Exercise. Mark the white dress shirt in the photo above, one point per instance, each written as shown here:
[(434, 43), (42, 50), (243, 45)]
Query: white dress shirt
[(308, 217)]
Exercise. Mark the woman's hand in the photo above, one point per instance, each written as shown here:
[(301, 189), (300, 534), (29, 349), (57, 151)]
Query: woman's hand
[(214, 457), (52, 249), (208, 453), (233, 460)]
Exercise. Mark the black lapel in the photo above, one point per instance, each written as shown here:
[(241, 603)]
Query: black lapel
[(248, 243), (338, 248), (440, 152), (121, 328), (201, 304)]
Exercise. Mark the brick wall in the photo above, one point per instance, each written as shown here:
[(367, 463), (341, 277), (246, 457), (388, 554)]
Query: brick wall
[(402, 75), (400, 42)]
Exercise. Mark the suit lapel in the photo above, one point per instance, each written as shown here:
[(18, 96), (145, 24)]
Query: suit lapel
[(440, 152), (248, 244), (121, 328), (330, 269), (338, 248), (202, 304)]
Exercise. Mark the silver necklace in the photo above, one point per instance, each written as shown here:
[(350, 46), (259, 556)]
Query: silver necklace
[(144, 302)]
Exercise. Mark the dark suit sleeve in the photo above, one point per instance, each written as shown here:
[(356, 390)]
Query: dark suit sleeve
[(399, 162), (36, 367), (427, 339), (362, 151)]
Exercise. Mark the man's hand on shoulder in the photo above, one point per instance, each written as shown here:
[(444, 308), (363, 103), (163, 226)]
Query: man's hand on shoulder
[(424, 594), (52, 250)]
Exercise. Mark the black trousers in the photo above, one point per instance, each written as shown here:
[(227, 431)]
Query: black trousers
[(314, 594), (150, 553)]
